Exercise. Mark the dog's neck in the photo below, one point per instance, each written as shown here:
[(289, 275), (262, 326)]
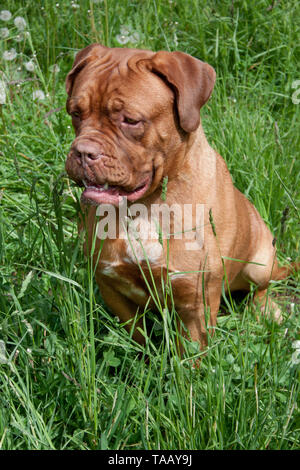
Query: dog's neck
[(194, 165), (194, 153)]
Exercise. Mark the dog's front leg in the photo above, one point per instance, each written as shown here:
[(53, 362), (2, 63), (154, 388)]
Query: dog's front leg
[(200, 318), (124, 308)]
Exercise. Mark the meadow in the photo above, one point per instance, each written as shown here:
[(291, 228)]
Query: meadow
[(71, 377)]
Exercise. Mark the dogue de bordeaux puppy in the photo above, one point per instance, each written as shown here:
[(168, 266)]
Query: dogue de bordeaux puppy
[(139, 141)]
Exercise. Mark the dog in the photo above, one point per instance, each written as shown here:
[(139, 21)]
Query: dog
[(139, 139)]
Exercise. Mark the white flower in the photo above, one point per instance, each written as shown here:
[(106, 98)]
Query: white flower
[(296, 344), (10, 55), (122, 39), (54, 68), (20, 23), (5, 15), (75, 5), (38, 95), (2, 92), (4, 32), (30, 66)]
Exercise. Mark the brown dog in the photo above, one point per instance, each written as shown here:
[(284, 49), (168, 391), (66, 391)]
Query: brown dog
[(136, 115)]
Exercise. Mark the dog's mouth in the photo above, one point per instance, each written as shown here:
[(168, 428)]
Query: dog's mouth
[(106, 194)]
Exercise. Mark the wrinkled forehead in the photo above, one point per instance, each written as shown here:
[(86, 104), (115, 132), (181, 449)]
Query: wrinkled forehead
[(118, 82)]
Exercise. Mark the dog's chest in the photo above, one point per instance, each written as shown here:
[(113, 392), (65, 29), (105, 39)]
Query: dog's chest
[(130, 262)]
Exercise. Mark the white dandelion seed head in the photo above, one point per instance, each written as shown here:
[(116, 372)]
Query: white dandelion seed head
[(19, 37), (54, 68), (295, 357), (127, 35), (20, 23), (2, 92), (122, 39), (38, 95), (124, 30), (5, 15), (10, 55), (134, 37), (4, 33), (30, 66)]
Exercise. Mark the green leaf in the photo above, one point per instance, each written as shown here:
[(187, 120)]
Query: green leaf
[(109, 357)]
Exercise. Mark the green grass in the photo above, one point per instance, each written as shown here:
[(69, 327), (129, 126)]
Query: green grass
[(70, 375)]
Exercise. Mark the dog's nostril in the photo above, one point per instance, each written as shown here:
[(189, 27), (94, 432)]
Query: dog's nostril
[(88, 156), (91, 156)]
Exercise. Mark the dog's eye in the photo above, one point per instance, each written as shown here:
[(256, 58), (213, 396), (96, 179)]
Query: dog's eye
[(75, 114), (130, 121)]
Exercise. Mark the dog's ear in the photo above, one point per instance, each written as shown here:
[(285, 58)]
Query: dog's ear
[(193, 82), (82, 58)]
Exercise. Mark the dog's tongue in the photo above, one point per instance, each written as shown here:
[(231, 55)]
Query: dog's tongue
[(104, 194)]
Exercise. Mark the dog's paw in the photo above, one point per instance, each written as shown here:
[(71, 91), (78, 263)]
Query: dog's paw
[(268, 308), (272, 311)]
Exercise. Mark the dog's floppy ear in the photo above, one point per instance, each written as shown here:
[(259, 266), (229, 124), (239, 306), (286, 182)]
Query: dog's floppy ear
[(81, 60), (192, 80)]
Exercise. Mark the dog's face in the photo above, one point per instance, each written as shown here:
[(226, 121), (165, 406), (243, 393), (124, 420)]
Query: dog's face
[(133, 112)]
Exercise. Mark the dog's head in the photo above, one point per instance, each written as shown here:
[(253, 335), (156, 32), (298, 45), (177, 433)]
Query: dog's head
[(133, 112)]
